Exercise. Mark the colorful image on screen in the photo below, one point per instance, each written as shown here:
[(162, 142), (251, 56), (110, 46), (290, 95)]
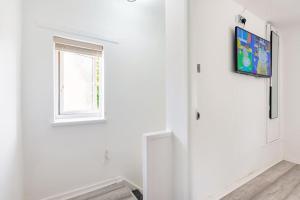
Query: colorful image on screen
[(253, 54)]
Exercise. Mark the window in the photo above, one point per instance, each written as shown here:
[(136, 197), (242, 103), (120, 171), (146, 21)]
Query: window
[(79, 81)]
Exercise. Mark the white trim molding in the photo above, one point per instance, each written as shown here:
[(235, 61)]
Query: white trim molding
[(158, 165), (101, 188)]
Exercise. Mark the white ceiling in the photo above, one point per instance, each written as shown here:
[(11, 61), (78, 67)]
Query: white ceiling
[(282, 13)]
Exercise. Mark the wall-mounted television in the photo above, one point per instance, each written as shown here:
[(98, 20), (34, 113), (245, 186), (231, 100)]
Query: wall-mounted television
[(253, 54)]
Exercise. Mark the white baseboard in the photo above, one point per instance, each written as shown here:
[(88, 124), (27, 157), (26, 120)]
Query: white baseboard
[(93, 187), (132, 185)]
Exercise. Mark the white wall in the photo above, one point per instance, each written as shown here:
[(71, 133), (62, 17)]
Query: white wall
[(229, 142), (10, 135), (290, 47), (178, 92), (58, 159)]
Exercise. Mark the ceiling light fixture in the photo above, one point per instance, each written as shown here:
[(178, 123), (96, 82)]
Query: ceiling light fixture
[(131, 0)]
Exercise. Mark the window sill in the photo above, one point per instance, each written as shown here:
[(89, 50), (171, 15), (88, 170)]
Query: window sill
[(80, 121)]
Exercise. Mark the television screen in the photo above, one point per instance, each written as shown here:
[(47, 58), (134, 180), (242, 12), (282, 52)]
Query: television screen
[(253, 54)]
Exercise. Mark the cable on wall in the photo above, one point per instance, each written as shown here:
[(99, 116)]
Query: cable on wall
[(241, 20)]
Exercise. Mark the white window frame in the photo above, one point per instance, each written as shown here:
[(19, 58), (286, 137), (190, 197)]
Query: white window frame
[(76, 117)]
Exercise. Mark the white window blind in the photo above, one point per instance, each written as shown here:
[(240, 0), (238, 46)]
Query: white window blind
[(63, 44)]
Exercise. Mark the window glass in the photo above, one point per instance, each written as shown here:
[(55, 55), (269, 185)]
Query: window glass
[(77, 82)]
